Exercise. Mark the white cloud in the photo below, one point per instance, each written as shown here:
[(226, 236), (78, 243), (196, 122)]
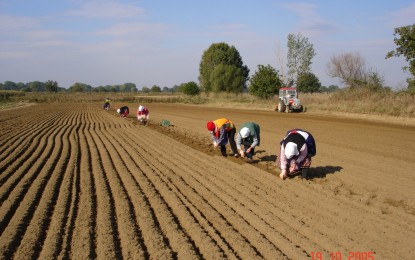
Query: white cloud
[(134, 30), (403, 17), (10, 23), (311, 23), (107, 9)]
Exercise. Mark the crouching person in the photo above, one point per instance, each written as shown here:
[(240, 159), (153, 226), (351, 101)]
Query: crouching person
[(249, 137), (123, 111), (143, 115), (296, 150), (223, 130)]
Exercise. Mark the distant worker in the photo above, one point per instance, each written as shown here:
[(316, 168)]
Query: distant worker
[(143, 115), (249, 137), (223, 131), (296, 150), (106, 104), (123, 111)]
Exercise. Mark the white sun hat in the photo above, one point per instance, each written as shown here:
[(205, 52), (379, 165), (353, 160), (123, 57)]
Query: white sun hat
[(291, 150), (244, 132)]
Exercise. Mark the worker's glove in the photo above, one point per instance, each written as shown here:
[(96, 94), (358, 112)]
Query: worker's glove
[(242, 153), (215, 144)]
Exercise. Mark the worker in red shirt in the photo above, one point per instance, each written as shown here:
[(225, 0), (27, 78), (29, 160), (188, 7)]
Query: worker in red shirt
[(143, 115)]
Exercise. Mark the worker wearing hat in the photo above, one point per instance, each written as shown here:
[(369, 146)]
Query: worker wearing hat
[(143, 115), (123, 111), (223, 131), (249, 137), (296, 150)]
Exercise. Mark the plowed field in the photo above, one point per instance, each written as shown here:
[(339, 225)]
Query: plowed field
[(78, 182)]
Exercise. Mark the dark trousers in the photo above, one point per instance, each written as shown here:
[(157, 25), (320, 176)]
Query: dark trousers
[(231, 138)]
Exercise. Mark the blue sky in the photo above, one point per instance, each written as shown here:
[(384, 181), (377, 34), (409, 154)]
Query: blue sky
[(108, 42)]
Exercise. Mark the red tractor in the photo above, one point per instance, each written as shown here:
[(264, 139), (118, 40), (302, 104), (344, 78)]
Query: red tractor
[(288, 100)]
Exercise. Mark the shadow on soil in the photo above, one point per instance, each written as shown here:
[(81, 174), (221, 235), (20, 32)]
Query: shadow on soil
[(322, 171)]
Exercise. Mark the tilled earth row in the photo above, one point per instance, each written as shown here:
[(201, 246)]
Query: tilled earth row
[(79, 182)]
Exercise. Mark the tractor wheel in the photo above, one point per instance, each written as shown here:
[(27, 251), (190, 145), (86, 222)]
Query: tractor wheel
[(281, 106)]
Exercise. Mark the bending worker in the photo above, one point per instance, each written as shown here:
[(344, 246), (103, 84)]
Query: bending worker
[(249, 137), (123, 111), (143, 115), (296, 150), (223, 130)]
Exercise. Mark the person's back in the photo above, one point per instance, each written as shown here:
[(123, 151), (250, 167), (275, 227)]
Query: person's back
[(142, 115), (123, 111), (309, 139), (254, 133), (249, 137), (296, 150), (107, 104)]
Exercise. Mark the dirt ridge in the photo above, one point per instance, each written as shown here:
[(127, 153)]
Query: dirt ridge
[(79, 182)]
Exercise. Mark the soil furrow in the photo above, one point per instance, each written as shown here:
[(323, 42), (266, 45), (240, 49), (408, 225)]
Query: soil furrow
[(199, 234), (23, 153), (57, 235), (107, 239), (82, 243), (32, 242), (16, 191), (148, 157), (30, 195), (180, 242), (79, 182), (154, 240), (130, 236), (201, 185)]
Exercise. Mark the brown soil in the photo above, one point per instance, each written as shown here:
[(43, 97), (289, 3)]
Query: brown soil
[(79, 182)]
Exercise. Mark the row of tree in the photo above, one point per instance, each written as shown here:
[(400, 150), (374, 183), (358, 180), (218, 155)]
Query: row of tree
[(35, 86), (52, 86), (221, 69)]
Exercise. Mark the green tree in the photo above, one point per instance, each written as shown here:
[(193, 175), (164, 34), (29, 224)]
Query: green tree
[(78, 87), (9, 85), (227, 78), (36, 86), (145, 89), (155, 88), (299, 56), (329, 89), (51, 86), (20, 85), (190, 88), (265, 83), (130, 87), (308, 83), (374, 80), (405, 40), (333, 88), (216, 54)]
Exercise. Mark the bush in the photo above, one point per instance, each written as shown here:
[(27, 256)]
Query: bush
[(190, 88), (265, 82)]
